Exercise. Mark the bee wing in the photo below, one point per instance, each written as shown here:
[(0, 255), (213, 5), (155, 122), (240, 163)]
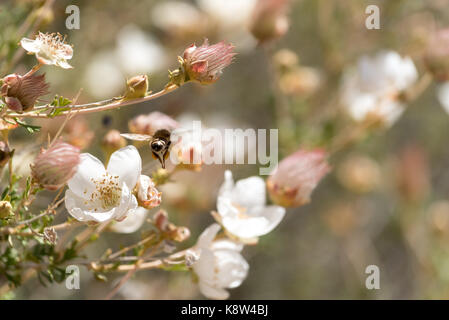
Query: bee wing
[(134, 136)]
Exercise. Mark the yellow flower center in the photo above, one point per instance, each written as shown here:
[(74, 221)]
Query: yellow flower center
[(107, 191)]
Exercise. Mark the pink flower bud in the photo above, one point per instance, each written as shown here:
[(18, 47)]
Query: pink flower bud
[(147, 194), (113, 141), (269, 20), (150, 123), (292, 182), (437, 55), (21, 92), (206, 63), (53, 167)]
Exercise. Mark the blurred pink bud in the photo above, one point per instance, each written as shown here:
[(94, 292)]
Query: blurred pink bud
[(21, 92), (292, 182), (53, 167), (147, 194), (152, 122), (206, 63), (437, 55), (269, 20), (113, 141)]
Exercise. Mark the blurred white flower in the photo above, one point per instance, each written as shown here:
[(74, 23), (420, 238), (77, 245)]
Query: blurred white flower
[(242, 208), (99, 194), (175, 16), (138, 52), (103, 77), (132, 222), (232, 18), (49, 49), (220, 265), (231, 13), (373, 88), (443, 95)]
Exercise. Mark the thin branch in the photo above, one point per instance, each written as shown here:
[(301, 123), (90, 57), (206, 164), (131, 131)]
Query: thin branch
[(94, 107)]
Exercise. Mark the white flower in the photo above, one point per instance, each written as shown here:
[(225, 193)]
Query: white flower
[(373, 88), (132, 222), (443, 95), (220, 264), (49, 49), (99, 194), (242, 208), (138, 52)]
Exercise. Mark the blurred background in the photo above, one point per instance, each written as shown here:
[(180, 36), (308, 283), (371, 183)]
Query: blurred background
[(386, 201)]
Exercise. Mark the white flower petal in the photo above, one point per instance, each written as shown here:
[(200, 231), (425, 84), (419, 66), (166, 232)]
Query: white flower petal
[(213, 293), (208, 235), (249, 192), (225, 244), (128, 203), (443, 95), (232, 269), (77, 208), (261, 221), (30, 45), (132, 222), (127, 164), (228, 184), (89, 168), (63, 64)]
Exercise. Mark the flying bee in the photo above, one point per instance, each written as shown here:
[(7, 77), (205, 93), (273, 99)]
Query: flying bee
[(159, 143)]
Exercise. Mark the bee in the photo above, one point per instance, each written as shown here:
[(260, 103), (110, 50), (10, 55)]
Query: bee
[(159, 143)]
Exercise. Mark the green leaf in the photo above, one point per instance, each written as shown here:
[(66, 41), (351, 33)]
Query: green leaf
[(29, 127), (60, 101)]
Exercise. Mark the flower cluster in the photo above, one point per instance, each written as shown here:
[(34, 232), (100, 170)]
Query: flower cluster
[(373, 89)]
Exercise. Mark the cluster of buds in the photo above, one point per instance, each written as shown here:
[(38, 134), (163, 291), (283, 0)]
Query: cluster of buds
[(148, 196), (20, 93), (292, 182), (269, 20), (53, 167), (437, 55), (136, 87), (203, 64), (168, 229)]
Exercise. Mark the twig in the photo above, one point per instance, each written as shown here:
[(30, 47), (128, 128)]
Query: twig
[(93, 107)]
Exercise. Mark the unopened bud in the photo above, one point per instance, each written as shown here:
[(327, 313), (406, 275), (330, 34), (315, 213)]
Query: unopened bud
[(53, 167), (5, 209), (113, 141), (136, 87), (22, 92), (206, 63), (269, 20), (147, 194), (292, 182)]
